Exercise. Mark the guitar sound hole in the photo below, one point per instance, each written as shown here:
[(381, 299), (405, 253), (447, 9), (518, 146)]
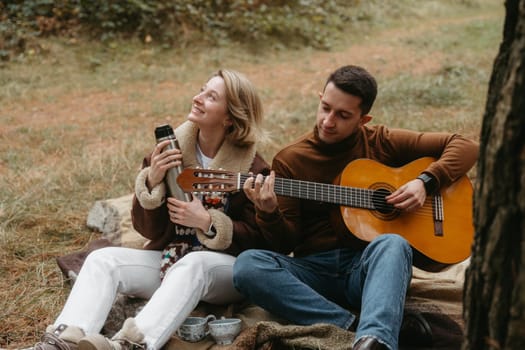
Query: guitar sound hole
[(379, 202)]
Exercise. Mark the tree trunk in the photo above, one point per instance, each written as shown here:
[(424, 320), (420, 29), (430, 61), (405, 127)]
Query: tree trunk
[(494, 296)]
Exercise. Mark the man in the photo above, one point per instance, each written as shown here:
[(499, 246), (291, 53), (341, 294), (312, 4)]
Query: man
[(331, 271)]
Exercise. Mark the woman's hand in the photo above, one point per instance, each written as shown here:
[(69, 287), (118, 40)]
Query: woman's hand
[(161, 161), (190, 214)]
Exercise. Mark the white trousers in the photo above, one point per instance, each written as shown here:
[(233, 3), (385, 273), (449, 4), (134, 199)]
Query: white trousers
[(201, 275)]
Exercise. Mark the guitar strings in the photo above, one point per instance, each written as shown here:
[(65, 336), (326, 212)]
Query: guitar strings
[(338, 194), (364, 198)]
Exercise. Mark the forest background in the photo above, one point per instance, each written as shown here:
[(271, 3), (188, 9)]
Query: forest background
[(84, 83)]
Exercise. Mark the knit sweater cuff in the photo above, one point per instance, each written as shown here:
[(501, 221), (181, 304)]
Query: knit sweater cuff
[(223, 226), (149, 200)]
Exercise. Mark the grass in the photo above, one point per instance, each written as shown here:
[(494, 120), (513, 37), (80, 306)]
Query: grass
[(76, 120)]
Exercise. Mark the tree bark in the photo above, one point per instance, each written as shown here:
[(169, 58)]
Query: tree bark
[(494, 295)]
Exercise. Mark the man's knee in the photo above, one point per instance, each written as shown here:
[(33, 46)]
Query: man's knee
[(241, 266), (392, 245), (393, 241), (245, 267)]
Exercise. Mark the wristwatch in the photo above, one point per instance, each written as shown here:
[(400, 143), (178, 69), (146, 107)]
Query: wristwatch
[(429, 182)]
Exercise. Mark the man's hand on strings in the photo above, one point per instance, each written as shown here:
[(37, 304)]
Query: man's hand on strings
[(411, 196), (260, 190)]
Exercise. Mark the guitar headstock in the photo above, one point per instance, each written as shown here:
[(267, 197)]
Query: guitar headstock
[(207, 180)]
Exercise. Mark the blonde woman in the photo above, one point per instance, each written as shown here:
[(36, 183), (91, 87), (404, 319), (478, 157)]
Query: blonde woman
[(192, 245)]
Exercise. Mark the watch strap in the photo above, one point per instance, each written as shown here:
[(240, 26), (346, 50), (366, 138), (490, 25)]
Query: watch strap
[(429, 182)]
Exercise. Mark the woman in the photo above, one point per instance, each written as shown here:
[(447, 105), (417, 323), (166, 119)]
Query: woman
[(194, 242)]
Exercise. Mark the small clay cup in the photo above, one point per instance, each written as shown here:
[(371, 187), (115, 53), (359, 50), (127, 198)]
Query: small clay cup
[(194, 329), (225, 330)]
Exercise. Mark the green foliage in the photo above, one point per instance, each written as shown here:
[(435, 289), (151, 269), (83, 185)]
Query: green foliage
[(21, 21), (308, 22), (176, 23)]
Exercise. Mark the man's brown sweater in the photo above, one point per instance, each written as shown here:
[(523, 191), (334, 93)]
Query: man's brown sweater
[(305, 226)]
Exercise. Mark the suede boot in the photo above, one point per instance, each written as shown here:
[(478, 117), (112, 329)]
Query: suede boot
[(129, 337), (60, 338)]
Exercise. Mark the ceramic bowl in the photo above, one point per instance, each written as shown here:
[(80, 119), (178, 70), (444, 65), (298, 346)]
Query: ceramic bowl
[(225, 330), (194, 329)]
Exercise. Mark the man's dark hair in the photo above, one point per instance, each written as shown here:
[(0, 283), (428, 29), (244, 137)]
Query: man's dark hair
[(356, 81)]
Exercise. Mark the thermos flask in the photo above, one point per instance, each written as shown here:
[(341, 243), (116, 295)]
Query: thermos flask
[(165, 132)]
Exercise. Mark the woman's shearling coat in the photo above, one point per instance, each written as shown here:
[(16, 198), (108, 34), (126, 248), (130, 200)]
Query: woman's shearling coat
[(236, 227)]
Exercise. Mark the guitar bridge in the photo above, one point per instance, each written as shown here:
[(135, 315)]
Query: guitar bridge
[(437, 213)]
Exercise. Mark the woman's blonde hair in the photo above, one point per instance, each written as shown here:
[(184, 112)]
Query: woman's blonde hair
[(244, 108)]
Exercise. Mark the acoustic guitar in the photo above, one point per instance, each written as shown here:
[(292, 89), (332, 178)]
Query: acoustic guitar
[(441, 230)]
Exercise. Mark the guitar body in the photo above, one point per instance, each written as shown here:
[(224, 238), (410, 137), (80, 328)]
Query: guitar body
[(446, 241)]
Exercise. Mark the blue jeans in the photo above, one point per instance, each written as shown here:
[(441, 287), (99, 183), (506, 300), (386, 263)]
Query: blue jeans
[(319, 288)]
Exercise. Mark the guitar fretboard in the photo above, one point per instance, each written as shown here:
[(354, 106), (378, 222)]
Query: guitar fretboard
[(328, 193)]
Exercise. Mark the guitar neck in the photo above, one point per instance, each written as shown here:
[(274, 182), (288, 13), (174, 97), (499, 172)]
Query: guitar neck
[(322, 192)]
